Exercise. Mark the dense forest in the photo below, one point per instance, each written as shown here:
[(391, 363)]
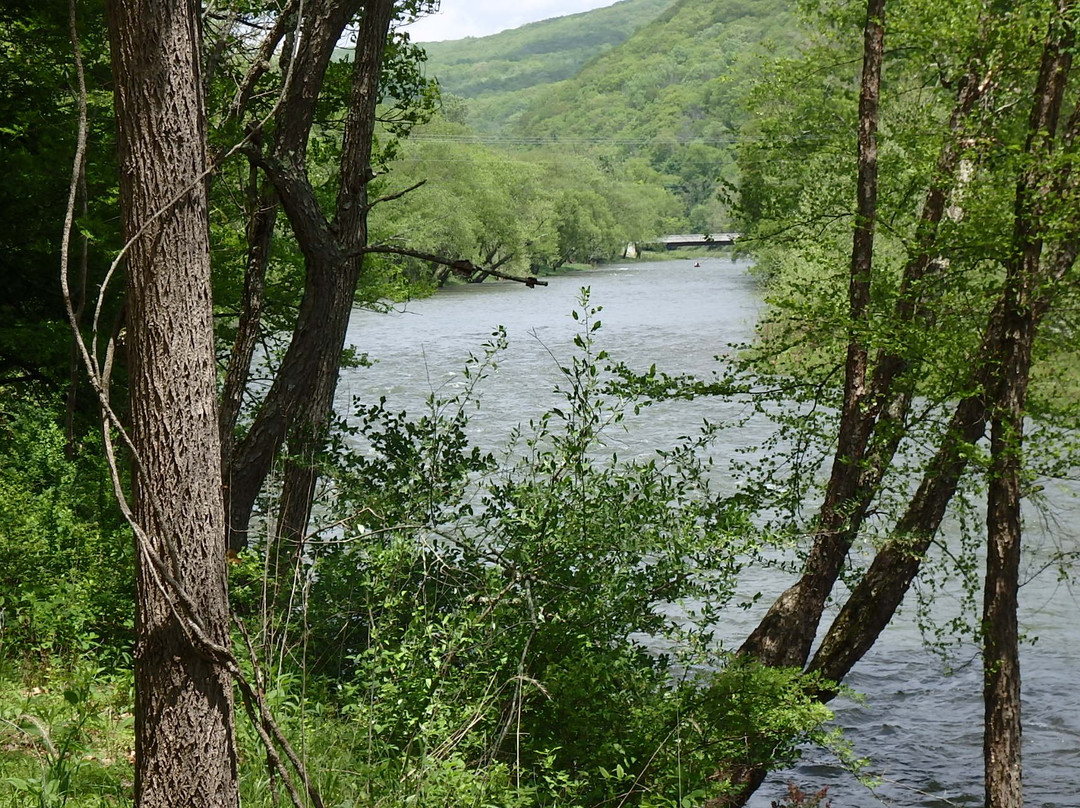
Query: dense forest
[(215, 588), (652, 122), (501, 74)]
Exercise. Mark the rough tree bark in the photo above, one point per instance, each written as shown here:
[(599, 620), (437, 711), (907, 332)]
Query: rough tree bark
[(185, 753)]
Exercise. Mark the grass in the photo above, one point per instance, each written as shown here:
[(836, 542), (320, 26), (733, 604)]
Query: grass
[(66, 738)]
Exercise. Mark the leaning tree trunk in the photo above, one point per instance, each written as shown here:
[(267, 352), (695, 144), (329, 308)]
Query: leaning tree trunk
[(1001, 656), (875, 407), (298, 405), (784, 636), (350, 225), (881, 590), (185, 752), (887, 401), (1023, 280)]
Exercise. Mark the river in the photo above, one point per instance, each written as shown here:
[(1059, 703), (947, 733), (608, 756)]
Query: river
[(920, 723)]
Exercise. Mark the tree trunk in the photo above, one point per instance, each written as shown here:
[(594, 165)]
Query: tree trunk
[(1024, 277), (1001, 655), (881, 590), (879, 593), (299, 404), (350, 226), (185, 752), (875, 429), (785, 634), (262, 217), (248, 463)]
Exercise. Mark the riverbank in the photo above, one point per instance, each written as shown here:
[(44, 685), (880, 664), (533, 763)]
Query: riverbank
[(647, 257)]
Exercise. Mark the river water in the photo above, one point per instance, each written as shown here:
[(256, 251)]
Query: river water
[(920, 722)]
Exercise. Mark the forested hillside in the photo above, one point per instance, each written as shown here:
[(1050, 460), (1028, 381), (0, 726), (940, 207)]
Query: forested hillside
[(519, 208), (576, 204), (656, 100), (680, 75), (671, 95), (502, 73)]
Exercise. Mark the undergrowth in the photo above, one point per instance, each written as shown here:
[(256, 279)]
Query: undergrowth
[(464, 628)]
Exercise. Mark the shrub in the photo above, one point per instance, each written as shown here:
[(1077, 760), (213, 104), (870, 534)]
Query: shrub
[(66, 570), (495, 625)]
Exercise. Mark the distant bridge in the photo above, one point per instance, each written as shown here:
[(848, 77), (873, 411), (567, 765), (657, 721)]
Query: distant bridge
[(678, 240)]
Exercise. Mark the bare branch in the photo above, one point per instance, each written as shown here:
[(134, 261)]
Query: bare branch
[(461, 267), (260, 65), (397, 195)]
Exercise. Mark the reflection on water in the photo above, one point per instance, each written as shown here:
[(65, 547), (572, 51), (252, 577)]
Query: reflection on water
[(920, 723)]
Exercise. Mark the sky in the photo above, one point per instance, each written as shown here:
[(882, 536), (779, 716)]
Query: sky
[(457, 19)]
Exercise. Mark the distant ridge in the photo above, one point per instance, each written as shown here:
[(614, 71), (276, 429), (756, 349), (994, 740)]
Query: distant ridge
[(677, 77), (650, 90), (668, 100), (502, 73)]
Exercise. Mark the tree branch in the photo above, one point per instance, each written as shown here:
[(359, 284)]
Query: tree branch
[(392, 197), (309, 223), (461, 267), (260, 65)]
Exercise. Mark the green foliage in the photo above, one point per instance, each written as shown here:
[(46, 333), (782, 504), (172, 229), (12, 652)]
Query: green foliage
[(66, 568), (67, 743), (658, 91), (520, 210), (495, 72), (797, 193), (668, 95), (483, 628), (479, 629), (37, 142), (796, 204)]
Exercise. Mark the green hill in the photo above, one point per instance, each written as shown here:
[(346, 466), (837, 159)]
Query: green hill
[(501, 74), (669, 95), (647, 90), (679, 75)]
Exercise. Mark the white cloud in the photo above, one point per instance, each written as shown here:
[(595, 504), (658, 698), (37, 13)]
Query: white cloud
[(457, 19)]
